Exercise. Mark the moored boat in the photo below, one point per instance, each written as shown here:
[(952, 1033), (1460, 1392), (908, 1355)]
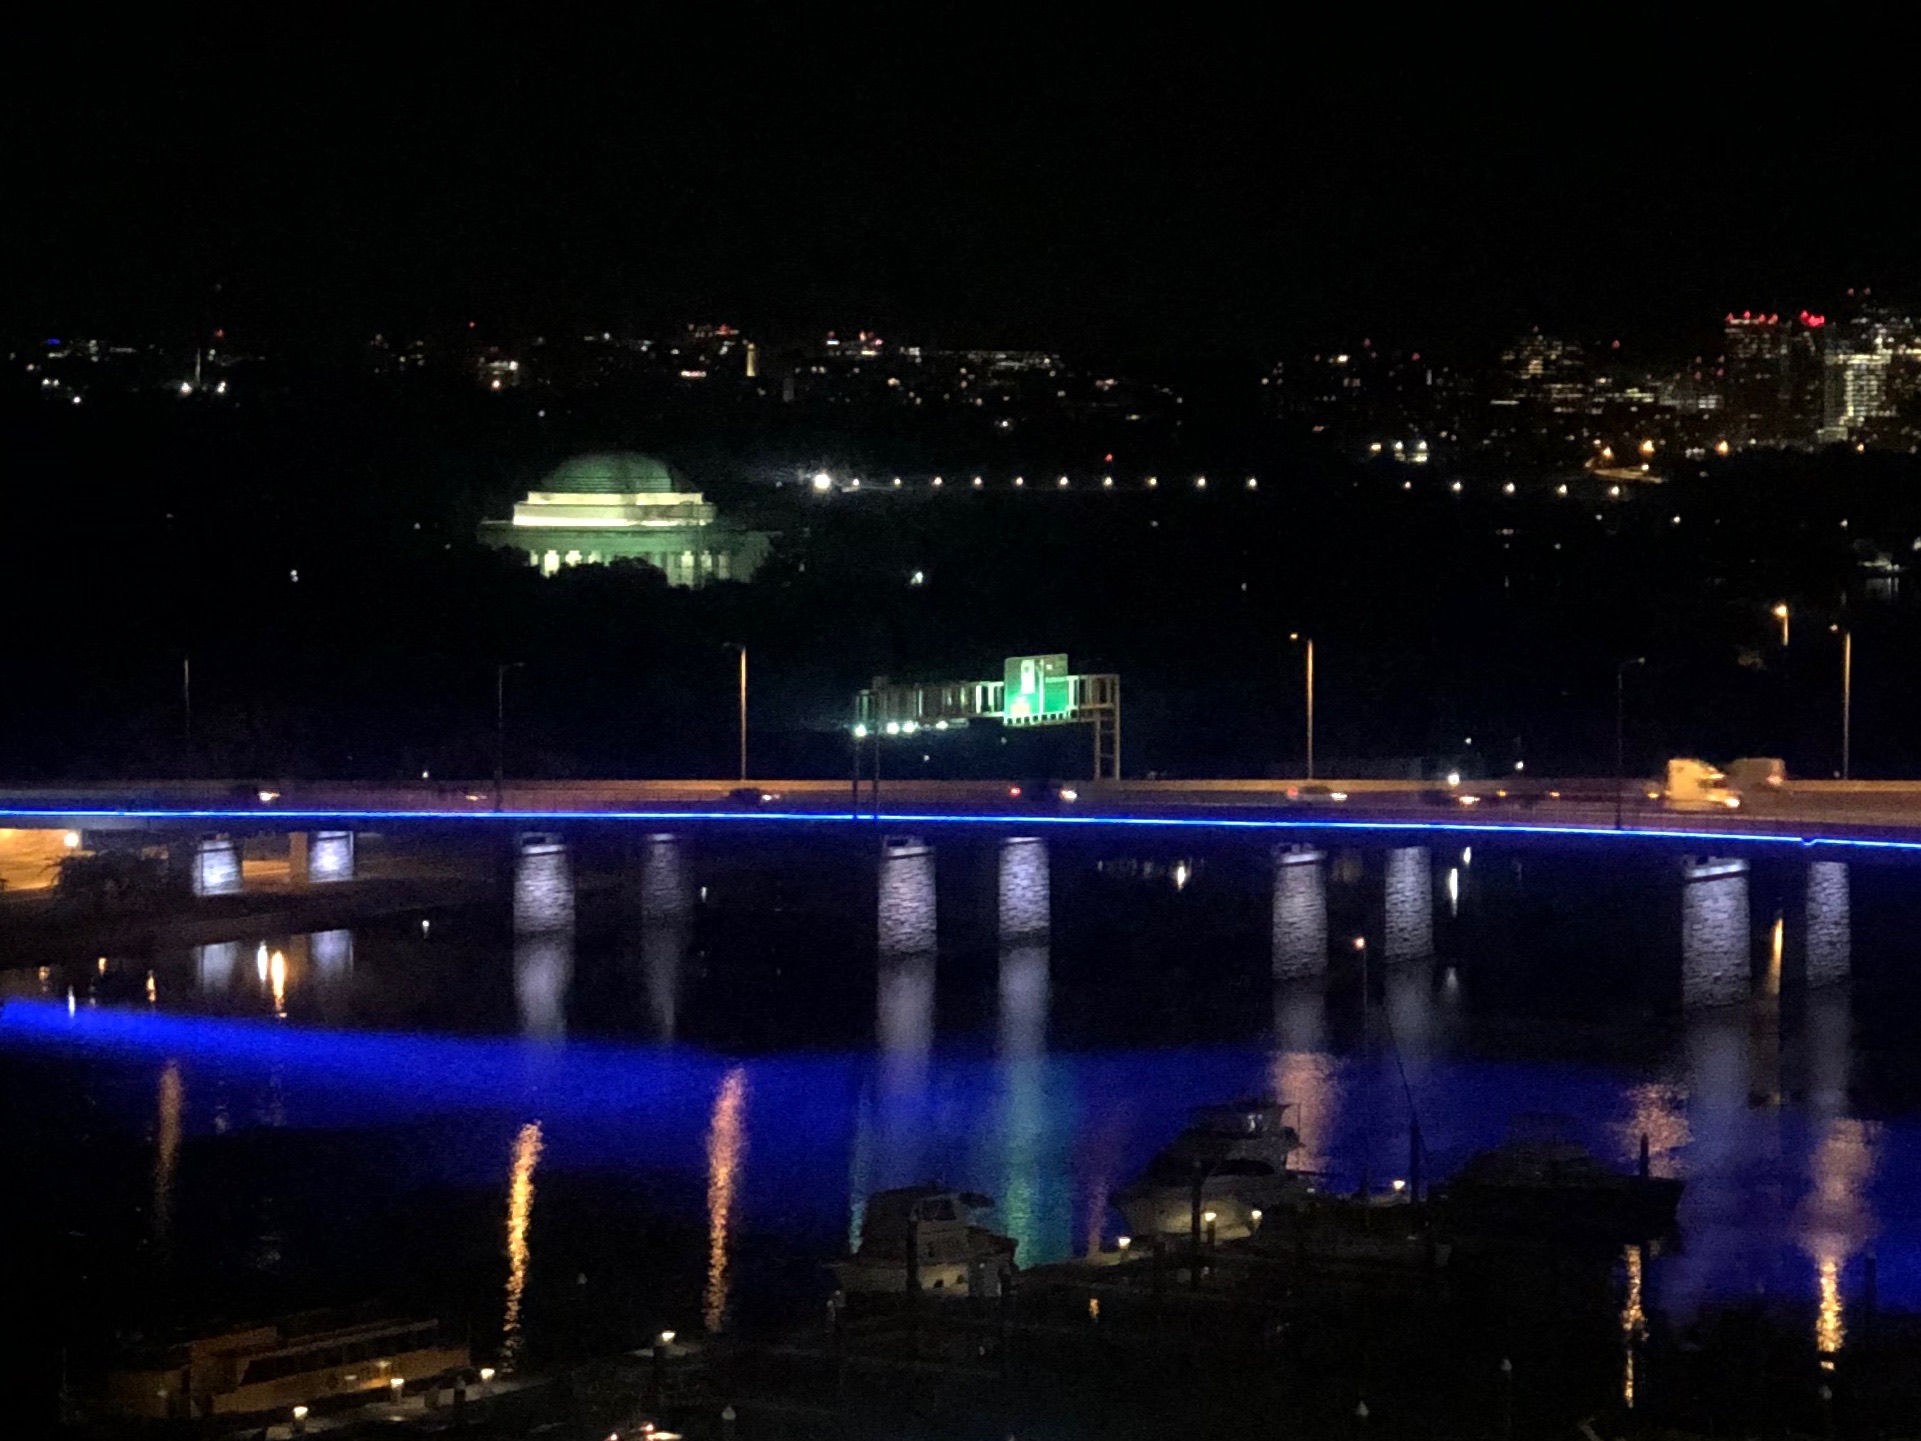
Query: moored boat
[(1227, 1170), (927, 1240), (1535, 1184), (302, 1360)]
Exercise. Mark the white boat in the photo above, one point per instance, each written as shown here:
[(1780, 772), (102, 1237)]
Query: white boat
[(927, 1239), (305, 1359), (1229, 1167)]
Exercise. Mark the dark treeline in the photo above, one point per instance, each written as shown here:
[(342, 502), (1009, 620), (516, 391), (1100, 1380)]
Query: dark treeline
[(140, 532)]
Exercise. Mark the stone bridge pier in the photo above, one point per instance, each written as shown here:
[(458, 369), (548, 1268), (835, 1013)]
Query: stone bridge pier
[(319, 858), (1299, 929)]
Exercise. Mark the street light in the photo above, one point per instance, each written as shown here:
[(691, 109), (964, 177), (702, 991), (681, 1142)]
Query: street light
[(862, 732), (1780, 613), (1847, 696), (739, 646), (1620, 731), (1295, 636), (500, 726)]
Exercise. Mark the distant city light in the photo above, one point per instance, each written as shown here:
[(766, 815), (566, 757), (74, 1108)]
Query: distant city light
[(823, 481)]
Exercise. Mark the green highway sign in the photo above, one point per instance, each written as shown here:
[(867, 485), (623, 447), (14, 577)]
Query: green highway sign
[(1038, 688)]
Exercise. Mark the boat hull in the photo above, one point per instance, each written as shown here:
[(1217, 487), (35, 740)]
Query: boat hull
[(1169, 1210), (1637, 1209)]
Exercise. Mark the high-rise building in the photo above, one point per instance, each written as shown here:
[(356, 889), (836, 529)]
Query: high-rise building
[(1858, 355), (1754, 361), (1546, 372), (1773, 380)]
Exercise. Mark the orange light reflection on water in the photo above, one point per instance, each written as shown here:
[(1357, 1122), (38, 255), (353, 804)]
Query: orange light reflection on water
[(172, 1106), (520, 1212), (726, 1153), (1634, 1321)]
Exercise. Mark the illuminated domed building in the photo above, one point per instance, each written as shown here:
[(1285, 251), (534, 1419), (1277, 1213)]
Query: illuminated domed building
[(598, 508)]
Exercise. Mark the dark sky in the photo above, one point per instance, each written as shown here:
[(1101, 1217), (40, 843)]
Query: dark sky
[(957, 173)]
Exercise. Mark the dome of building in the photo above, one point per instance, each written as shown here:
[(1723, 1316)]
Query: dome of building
[(623, 472)]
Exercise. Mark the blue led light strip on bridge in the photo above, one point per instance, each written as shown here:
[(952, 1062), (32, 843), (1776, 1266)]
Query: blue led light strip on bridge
[(292, 819)]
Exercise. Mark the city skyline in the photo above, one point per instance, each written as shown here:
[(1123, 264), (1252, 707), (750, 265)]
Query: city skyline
[(1849, 373)]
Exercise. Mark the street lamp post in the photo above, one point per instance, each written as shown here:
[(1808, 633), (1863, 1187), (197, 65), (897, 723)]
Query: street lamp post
[(1620, 731), (1847, 697), (1780, 613), (1295, 636), (1847, 702), (737, 645), (500, 727), (859, 735)]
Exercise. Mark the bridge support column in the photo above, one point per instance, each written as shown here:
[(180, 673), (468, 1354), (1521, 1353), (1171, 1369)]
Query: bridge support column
[(1408, 905), (1300, 912), (215, 866), (318, 858), (1829, 932), (1716, 963)]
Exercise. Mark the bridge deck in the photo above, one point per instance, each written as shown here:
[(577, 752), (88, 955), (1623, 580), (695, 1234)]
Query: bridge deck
[(1880, 813)]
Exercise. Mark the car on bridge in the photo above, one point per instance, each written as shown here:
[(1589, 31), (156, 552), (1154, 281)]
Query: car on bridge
[(1313, 793), (1043, 795)]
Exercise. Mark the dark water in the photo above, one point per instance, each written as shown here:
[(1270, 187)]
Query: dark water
[(654, 1084)]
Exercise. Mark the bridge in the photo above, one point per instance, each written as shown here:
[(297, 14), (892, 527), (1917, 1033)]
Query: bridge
[(1874, 814), (1799, 840)]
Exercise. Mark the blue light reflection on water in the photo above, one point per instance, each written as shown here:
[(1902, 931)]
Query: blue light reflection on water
[(1775, 1194)]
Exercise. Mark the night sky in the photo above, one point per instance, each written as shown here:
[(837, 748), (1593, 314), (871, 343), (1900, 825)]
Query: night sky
[(953, 174)]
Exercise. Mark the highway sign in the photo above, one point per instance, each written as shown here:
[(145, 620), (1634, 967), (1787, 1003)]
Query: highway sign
[(1038, 689)]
